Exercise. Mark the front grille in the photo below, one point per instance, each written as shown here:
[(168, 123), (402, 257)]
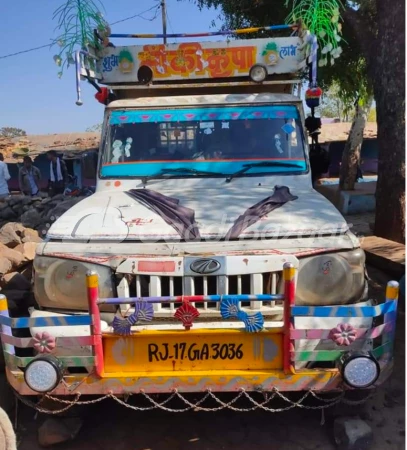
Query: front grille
[(161, 286)]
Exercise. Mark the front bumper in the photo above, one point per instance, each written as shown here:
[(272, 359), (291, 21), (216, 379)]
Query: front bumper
[(194, 382), (121, 364)]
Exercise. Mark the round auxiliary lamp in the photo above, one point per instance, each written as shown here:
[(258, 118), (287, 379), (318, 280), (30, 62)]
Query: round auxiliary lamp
[(43, 373), (359, 370)]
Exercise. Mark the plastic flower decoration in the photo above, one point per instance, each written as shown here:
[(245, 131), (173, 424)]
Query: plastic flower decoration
[(321, 18), (44, 342), (77, 20), (343, 334)]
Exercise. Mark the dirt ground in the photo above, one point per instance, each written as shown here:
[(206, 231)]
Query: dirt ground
[(109, 426)]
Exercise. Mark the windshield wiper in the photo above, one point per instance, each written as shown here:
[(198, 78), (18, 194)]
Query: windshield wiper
[(187, 170), (262, 164)]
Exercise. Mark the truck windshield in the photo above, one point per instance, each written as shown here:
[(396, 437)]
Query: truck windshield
[(203, 142)]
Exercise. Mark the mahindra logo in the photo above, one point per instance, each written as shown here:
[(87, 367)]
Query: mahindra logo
[(205, 266)]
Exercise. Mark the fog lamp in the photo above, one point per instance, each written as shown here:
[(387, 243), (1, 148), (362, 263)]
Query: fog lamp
[(359, 370), (44, 373), (258, 73)]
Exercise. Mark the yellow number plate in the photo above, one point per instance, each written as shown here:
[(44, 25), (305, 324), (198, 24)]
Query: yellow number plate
[(153, 351)]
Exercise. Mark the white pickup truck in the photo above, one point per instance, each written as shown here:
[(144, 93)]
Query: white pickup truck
[(219, 267)]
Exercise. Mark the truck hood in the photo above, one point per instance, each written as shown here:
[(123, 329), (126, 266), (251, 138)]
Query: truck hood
[(116, 216)]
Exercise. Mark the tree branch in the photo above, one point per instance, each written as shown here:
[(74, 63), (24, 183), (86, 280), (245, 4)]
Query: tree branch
[(364, 32)]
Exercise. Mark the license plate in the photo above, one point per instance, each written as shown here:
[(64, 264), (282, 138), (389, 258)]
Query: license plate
[(152, 351)]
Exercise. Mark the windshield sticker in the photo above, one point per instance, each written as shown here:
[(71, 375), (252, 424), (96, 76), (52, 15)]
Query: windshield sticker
[(204, 114), (225, 125), (277, 142), (288, 128), (119, 149), (204, 125)]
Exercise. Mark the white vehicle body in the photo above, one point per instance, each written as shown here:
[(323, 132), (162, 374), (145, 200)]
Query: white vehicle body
[(112, 230)]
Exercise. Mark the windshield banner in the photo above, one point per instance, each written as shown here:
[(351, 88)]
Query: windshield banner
[(201, 114)]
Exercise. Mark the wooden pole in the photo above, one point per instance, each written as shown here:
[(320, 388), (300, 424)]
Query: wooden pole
[(164, 18)]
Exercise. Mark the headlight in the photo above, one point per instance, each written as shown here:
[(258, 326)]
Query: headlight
[(331, 279), (359, 370), (43, 374), (61, 283)]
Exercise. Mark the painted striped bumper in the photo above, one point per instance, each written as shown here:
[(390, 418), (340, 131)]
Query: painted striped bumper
[(107, 372)]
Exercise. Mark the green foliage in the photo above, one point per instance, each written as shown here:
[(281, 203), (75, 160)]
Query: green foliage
[(246, 13), (372, 116), (349, 72), (333, 107), (12, 132), (77, 20)]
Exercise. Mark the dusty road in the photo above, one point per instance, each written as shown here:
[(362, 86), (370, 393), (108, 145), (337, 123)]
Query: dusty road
[(111, 427)]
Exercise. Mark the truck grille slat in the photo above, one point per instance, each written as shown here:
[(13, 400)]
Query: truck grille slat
[(205, 291), (155, 291), (256, 287), (273, 287), (171, 285), (160, 286)]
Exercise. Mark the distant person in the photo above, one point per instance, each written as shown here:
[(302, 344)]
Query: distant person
[(29, 178), (4, 177), (58, 174)]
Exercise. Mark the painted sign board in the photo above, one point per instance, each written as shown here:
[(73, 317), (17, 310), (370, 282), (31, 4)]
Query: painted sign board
[(201, 60)]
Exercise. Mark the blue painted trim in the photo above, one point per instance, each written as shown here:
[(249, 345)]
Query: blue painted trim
[(198, 298), (202, 113), (345, 311), (221, 168), (53, 321)]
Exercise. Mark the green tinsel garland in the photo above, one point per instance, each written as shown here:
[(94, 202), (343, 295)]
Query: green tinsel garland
[(77, 20), (321, 18)]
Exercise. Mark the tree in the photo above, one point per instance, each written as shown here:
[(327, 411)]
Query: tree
[(11, 132), (332, 106), (380, 28), (374, 31), (390, 94), (343, 71), (353, 146)]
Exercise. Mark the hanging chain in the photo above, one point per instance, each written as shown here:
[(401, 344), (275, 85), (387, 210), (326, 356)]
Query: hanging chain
[(326, 402)]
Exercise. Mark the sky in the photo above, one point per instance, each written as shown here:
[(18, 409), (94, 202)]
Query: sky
[(33, 97)]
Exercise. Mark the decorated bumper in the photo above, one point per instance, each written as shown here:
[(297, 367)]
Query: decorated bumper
[(248, 356)]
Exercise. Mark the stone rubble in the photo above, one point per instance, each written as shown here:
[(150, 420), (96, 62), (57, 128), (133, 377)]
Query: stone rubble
[(37, 213), (17, 250), (24, 221), (352, 433)]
